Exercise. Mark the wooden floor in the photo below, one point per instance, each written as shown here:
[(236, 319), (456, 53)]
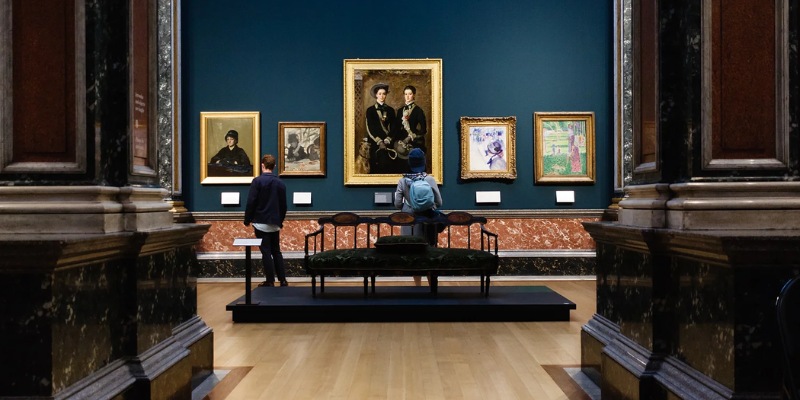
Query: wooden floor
[(439, 360)]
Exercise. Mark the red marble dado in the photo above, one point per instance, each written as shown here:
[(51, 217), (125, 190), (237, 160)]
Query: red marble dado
[(542, 233), (514, 234)]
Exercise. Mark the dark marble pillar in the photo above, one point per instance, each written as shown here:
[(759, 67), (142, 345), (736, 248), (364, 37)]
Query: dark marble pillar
[(100, 315), (688, 313), (709, 225), (98, 283)]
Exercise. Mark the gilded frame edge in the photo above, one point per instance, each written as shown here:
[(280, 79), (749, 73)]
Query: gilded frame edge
[(539, 147), (254, 150), (282, 126), (510, 124), (434, 65)]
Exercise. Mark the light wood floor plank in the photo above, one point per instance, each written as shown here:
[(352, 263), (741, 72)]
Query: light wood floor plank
[(413, 360)]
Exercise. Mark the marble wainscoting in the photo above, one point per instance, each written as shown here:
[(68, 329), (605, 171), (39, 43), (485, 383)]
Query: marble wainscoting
[(531, 242)]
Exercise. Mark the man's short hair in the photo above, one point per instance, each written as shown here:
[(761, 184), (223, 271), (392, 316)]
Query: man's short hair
[(268, 161)]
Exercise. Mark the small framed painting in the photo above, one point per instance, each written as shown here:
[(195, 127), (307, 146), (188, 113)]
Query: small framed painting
[(303, 145), (487, 147), (564, 147), (229, 145)]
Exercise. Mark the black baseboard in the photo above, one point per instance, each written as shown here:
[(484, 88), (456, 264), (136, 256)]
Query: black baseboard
[(508, 266), (402, 304)]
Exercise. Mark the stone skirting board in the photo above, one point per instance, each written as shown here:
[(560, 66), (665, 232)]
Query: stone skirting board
[(531, 242), (688, 314), (563, 263), (99, 316)]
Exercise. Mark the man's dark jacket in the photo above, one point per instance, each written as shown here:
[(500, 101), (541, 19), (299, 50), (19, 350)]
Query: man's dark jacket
[(266, 202)]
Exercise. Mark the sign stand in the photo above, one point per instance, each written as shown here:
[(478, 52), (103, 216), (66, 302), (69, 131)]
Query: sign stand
[(248, 243)]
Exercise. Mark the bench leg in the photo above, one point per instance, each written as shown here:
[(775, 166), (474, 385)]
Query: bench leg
[(482, 282), (433, 281), (313, 286), (366, 285), (373, 283), (488, 279)]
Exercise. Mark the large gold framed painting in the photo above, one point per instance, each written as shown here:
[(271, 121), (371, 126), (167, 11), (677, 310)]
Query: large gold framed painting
[(390, 107)]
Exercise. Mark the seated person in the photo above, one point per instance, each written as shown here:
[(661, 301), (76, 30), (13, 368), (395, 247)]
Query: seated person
[(295, 152), (232, 157)]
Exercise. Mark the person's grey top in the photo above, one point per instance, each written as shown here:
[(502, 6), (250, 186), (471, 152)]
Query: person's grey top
[(401, 195)]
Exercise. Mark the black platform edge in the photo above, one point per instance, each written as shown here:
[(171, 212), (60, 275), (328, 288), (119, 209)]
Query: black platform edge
[(403, 304)]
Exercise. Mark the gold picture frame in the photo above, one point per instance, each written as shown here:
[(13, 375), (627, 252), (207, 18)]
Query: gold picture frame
[(564, 147), (488, 147), (360, 76), (221, 166), (303, 145)]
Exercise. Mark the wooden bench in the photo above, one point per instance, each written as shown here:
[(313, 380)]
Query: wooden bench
[(370, 247)]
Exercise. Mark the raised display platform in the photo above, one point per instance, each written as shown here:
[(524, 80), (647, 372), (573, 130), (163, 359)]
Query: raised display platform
[(402, 304)]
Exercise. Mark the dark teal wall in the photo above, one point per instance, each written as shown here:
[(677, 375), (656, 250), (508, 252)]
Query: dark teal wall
[(500, 58)]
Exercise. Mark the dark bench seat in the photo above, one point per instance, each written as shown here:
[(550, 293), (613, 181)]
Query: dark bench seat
[(404, 256)]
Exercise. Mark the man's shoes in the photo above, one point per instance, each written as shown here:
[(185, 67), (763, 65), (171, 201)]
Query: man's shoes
[(271, 284)]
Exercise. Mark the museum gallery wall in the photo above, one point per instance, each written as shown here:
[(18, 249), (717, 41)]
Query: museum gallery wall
[(511, 59)]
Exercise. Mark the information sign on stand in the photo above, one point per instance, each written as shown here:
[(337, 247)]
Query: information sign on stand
[(247, 243)]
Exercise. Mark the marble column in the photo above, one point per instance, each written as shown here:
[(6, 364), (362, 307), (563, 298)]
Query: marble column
[(169, 125), (708, 228), (98, 280)]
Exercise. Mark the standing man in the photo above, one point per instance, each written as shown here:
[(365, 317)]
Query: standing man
[(380, 127), (266, 209)]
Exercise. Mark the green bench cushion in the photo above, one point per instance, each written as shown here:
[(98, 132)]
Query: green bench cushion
[(442, 260), (401, 244)]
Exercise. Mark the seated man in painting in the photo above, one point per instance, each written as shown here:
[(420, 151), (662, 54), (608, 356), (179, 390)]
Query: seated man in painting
[(295, 151)]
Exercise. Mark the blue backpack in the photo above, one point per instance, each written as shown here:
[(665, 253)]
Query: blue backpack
[(420, 194)]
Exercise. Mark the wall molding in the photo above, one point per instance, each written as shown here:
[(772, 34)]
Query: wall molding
[(300, 215), (298, 255)]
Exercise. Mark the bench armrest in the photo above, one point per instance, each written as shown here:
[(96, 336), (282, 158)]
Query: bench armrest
[(488, 239), (315, 241)]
